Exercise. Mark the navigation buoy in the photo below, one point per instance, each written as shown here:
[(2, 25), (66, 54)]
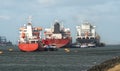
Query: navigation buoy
[(1, 52), (10, 49), (67, 50)]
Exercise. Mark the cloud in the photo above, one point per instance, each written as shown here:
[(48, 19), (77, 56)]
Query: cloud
[(5, 17), (111, 6), (108, 10)]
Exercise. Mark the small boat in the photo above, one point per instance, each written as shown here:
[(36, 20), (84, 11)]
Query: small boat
[(91, 45), (84, 45)]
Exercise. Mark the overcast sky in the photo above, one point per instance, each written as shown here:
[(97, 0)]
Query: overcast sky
[(104, 14)]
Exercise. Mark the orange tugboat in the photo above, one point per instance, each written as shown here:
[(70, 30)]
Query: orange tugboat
[(58, 36), (29, 39)]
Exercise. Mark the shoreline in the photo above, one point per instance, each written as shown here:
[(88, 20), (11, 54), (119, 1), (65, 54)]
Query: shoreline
[(109, 65)]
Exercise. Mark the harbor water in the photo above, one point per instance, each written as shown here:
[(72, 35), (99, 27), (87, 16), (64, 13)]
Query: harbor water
[(77, 59)]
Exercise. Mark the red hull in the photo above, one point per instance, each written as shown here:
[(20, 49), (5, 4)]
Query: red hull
[(28, 46), (59, 42)]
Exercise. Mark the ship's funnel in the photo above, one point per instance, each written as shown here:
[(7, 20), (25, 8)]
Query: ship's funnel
[(56, 27)]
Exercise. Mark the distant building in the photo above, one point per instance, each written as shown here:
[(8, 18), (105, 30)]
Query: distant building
[(3, 41)]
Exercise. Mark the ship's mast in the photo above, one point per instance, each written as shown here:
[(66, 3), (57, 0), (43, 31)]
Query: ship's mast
[(30, 19), (29, 27)]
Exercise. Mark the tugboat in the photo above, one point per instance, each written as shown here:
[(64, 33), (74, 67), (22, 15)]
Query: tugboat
[(29, 39), (58, 35), (87, 35)]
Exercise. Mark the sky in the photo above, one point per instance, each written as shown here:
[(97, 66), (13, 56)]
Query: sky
[(104, 14)]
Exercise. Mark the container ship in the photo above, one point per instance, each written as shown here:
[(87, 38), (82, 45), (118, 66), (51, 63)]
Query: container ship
[(58, 35), (29, 39), (87, 35)]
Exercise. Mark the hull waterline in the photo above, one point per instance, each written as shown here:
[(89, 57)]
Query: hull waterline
[(59, 42)]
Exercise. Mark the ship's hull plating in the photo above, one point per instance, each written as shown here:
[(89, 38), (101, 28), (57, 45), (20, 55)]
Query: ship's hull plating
[(28, 47), (59, 42)]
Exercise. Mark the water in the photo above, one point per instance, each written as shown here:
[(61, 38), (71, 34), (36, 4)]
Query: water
[(78, 59)]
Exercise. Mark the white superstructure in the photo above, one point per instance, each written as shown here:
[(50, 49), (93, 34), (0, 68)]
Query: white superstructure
[(86, 35), (28, 33), (86, 30)]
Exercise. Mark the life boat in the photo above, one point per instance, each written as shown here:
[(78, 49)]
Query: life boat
[(38, 28), (23, 35)]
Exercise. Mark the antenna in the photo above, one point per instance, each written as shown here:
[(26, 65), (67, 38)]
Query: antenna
[(30, 19), (24, 25), (56, 20), (62, 25)]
